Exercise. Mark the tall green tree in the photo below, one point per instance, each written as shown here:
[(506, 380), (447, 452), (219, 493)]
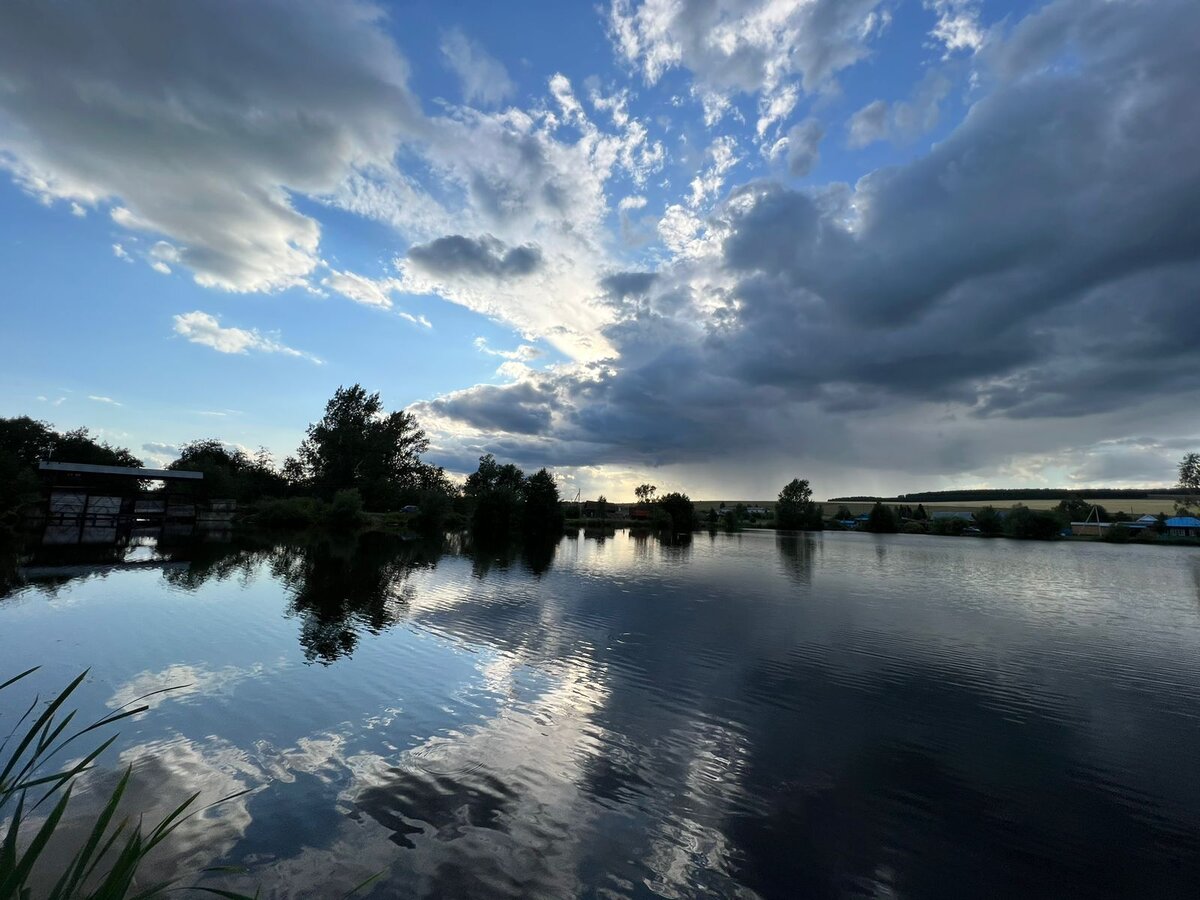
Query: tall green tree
[(1189, 472), (795, 509), (359, 445), (1189, 481)]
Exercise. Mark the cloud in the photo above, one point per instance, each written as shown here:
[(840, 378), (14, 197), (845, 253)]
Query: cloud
[(803, 146), (361, 289), (160, 449), (523, 353), (109, 400), (722, 154), (868, 125), (203, 146), (205, 329), (957, 26), (1023, 289), (484, 78), (484, 256), (902, 121), (121, 253), (523, 408), (622, 285), (755, 47)]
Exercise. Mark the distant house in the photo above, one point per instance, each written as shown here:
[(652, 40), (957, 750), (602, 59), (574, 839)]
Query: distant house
[(639, 512), (593, 509), (1183, 526), (756, 510)]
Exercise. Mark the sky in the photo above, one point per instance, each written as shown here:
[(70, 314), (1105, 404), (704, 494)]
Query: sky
[(709, 244)]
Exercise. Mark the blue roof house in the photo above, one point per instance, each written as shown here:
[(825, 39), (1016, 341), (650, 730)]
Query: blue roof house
[(1183, 526)]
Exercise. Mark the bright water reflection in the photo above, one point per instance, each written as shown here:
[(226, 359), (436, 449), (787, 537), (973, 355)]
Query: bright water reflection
[(742, 715)]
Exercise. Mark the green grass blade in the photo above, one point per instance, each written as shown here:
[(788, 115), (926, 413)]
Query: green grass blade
[(8, 850), (57, 780), (17, 678), (46, 716), (17, 876), (73, 877), (370, 881)]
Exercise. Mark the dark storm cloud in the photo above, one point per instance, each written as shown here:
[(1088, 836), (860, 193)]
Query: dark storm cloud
[(520, 408), (487, 256), (1035, 268), (621, 285)]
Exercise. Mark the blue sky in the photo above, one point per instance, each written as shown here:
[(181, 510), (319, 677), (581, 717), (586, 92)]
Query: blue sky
[(713, 245)]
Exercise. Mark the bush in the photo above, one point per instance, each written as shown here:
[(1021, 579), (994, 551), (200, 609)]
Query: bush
[(1031, 524), (948, 526), (988, 521), (346, 509), (1118, 534), (292, 512)]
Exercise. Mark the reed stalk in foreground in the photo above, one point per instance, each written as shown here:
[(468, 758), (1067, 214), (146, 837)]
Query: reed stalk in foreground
[(106, 865)]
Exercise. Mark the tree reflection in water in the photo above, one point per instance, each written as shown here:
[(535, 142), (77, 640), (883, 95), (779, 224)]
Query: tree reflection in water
[(341, 587), (796, 551)]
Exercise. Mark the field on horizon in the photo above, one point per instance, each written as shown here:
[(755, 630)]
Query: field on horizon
[(1151, 505)]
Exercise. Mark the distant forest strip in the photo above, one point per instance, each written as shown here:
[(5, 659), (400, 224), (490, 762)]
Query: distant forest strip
[(1019, 494)]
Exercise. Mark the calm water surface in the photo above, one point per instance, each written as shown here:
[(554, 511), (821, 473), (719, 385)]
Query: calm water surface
[(746, 716)]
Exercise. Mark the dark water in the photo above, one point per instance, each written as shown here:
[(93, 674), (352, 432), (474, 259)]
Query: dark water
[(747, 716)]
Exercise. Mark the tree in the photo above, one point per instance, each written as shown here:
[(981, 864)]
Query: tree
[(795, 509), (988, 521), (645, 492), (920, 515), (543, 510), (1189, 481), (1189, 472), (1077, 509), (881, 520), (602, 503), (496, 496), (230, 472), (681, 510), (1031, 524), (357, 445)]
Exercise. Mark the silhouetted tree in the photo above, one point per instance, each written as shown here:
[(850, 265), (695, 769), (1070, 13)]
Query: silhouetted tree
[(645, 492), (229, 472), (681, 510), (495, 493), (543, 511), (795, 509), (881, 520), (357, 445), (920, 515)]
